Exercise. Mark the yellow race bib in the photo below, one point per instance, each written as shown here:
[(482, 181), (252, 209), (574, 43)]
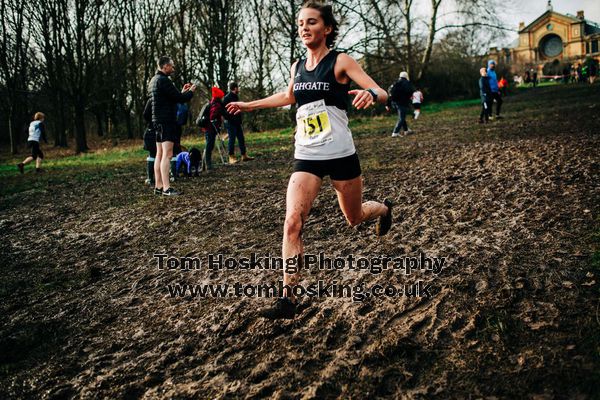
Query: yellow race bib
[(314, 127)]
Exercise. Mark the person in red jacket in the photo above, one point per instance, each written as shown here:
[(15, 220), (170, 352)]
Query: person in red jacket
[(216, 118), (503, 85)]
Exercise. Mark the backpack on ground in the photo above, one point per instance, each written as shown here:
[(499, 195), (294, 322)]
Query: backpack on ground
[(203, 119)]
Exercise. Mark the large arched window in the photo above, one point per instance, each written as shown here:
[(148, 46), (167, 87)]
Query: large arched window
[(551, 46)]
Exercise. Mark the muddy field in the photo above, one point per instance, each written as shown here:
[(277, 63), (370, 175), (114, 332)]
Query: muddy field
[(513, 206)]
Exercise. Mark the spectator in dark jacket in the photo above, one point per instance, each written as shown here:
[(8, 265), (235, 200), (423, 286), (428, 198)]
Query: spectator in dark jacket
[(400, 99), (233, 124), (165, 97), (495, 96), (593, 71), (216, 117), (485, 91)]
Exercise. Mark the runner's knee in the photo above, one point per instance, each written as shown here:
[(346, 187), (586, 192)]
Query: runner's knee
[(293, 225)]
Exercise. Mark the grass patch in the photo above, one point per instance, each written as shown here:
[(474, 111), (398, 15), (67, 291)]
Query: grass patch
[(449, 105), (98, 158)]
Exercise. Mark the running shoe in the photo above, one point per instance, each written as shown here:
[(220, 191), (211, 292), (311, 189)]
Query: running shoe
[(21, 167), (283, 308), (158, 191), (171, 192), (384, 223), (395, 134)]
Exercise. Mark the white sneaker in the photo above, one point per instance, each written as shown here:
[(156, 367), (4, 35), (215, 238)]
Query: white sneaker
[(395, 134), (410, 132)]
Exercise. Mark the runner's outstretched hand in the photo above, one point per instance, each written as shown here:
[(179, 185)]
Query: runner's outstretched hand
[(362, 100)]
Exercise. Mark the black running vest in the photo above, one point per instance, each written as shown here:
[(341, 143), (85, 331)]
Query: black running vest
[(320, 83)]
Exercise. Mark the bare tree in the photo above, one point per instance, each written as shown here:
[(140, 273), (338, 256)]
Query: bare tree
[(14, 65)]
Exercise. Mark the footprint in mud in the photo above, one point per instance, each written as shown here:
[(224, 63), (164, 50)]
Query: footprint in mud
[(66, 391), (417, 327), (133, 392), (308, 313), (261, 372), (337, 335), (263, 392), (364, 309), (323, 390)]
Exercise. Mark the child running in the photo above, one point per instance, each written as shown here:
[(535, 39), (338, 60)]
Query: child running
[(37, 131), (417, 99)]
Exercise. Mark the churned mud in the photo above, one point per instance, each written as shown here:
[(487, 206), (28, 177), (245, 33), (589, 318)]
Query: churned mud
[(513, 207)]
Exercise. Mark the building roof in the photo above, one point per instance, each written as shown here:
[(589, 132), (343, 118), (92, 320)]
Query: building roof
[(548, 14), (591, 28)]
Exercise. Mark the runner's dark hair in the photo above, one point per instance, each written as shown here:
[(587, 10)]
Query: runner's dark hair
[(327, 14)]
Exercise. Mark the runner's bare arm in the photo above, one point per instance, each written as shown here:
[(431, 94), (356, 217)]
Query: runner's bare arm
[(353, 70), (280, 99)]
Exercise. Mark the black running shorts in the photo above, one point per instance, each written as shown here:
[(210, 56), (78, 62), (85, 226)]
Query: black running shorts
[(166, 132), (338, 169), (35, 149)]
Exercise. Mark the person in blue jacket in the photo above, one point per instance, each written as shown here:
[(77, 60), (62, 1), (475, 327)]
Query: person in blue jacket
[(491, 72)]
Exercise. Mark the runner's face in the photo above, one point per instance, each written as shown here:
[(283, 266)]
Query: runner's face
[(311, 27)]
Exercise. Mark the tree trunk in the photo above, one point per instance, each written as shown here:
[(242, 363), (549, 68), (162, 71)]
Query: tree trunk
[(100, 131), (80, 139), (435, 4), (62, 124), (129, 125), (13, 146), (407, 36)]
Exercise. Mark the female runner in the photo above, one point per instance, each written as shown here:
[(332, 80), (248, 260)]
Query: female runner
[(319, 85)]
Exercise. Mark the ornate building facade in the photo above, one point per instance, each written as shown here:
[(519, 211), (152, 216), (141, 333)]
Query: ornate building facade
[(552, 37)]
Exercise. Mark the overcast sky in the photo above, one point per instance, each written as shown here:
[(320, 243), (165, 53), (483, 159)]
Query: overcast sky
[(528, 11)]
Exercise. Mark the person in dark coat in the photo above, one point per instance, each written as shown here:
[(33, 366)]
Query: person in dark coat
[(593, 71), (233, 124), (216, 118), (495, 96), (400, 99), (165, 97), (485, 91)]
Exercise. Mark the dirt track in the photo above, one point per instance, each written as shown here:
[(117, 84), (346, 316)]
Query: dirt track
[(512, 205)]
